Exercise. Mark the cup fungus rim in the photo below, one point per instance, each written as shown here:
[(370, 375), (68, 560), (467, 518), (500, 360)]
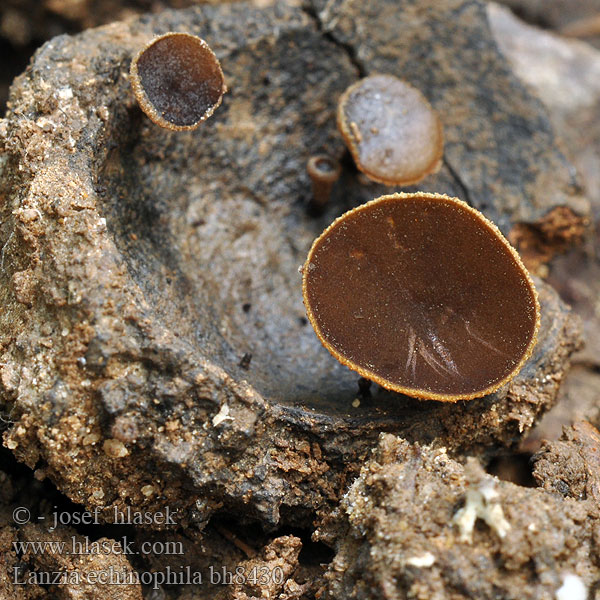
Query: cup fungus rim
[(352, 143), (409, 391), (327, 177), (144, 101)]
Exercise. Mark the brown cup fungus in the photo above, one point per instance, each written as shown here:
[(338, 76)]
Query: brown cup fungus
[(177, 81), (423, 295), (393, 133), (323, 171)]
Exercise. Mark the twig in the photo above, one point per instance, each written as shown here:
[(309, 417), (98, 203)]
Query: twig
[(228, 535)]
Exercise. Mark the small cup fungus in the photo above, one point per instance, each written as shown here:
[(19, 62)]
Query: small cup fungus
[(177, 81), (393, 133), (323, 171), (423, 295)]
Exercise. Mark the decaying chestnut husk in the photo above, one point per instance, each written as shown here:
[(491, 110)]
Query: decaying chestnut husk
[(140, 266)]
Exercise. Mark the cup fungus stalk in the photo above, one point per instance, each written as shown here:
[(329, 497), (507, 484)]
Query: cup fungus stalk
[(323, 171)]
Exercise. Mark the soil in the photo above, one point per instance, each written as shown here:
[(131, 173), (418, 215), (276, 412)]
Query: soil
[(400, 536)]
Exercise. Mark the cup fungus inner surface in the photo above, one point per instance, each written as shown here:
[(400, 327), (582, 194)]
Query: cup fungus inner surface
[(392, 131), (181, 78), (422, 294)]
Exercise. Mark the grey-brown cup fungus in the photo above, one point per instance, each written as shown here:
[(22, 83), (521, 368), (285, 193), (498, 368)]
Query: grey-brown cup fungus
[(391, 130), (177, 81), (423, 295), (323, 171)]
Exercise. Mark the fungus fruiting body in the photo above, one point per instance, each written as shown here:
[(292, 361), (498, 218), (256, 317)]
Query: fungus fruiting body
[(323, 171), (423, 295), (177, 81), (391, 130)]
